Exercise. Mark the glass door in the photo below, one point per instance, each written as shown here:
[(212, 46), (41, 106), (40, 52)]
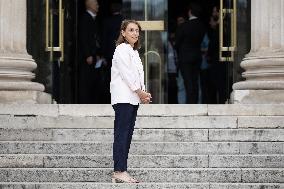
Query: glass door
[(152, 15), (234, 36), (54, 41), (52, 27)]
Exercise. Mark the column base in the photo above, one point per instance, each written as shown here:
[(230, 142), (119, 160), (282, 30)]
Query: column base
[(25, 97), (257, 97)]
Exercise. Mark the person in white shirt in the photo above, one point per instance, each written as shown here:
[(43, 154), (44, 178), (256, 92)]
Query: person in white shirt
[(127, 90)]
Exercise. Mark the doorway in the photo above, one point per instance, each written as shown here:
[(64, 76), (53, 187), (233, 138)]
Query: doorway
[(56, 53), (58, 70), (231, 69), (54, 44)]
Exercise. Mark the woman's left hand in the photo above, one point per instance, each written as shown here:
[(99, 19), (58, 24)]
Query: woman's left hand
[(146, 100)]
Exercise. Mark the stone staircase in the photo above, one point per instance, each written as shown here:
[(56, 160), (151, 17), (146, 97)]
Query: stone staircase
[(174, 147)]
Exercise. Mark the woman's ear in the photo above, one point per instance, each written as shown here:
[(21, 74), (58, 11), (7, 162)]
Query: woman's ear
[(123, 33)]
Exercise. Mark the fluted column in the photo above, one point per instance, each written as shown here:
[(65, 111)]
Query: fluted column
[(16, 65), (264, 65)]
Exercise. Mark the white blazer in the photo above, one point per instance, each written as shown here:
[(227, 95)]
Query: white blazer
[(127, 75)]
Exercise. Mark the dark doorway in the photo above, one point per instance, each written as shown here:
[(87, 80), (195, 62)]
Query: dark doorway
[(60, 78)]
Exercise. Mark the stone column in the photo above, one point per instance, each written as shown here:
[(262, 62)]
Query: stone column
[(264, 65), (16, 65)]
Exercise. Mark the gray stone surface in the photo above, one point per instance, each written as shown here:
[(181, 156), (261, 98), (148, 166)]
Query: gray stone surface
[(141, 186), (193, 122), (157, 161), (246, 161), (105, 186), (167, 151), (137, 148), (83, 122), (25, 97), (173, 110), (188, 122), (18, 161), (262, 148), (160, 110), (263, 175), (91, 161), (147, 175), (247, 186), (151, 122), (246, 135), (31, 122), (26, 135), (258, 96), (261, 122), (245, 110), (103, 175), (144, 110), (85, 110), (28, 109), (103, 135)]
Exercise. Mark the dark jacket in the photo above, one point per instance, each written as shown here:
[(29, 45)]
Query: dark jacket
[(189, 36), (213, 46), (89, 40)]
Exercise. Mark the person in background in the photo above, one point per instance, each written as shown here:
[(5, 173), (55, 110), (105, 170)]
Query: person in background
[(89, 55), (172, 71), (205, 82), (181, 95), (217, 69), (188, 40), (127, 90)]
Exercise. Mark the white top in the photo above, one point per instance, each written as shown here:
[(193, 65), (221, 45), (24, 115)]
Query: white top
[(127, 75)]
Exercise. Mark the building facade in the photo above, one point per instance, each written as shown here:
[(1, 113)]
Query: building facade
[(25, 30)]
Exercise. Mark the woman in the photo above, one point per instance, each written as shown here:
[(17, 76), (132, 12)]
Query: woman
[(127, 91)]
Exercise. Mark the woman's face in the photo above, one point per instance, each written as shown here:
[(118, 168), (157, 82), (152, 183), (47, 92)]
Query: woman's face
[(131, 33)]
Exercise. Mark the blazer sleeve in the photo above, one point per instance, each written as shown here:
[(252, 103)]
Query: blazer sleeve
[(85, 37), (179, 36), (126, 68)]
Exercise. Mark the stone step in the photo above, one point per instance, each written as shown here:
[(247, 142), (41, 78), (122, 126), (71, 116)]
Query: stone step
[(195, 175), (55, 110), (142, 148), (73, 161), (104, 186), (88, 185), (142, 161), (105, 122), (137, 148), (146, 135), (102, 135), (246, 135), (246, 161)]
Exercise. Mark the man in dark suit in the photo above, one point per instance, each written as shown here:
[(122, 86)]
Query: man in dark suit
[(89, 53), (189, 37)]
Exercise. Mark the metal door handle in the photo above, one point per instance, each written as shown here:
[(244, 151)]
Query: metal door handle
[(49, 30), (233, 41), (160, 72)]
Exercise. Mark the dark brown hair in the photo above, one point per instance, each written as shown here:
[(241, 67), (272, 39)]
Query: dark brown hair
[(123, 27)]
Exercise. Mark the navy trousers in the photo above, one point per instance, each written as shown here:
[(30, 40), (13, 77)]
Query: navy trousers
[(125, 117)]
